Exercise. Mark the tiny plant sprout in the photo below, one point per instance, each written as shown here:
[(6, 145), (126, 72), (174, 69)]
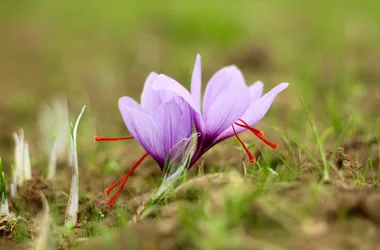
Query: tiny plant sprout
[(55, 133), (22, 170), (175, 171), (4, 207), (72, 206), (26, 162)]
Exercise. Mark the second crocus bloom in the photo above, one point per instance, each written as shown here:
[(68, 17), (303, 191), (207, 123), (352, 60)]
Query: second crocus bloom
[(229, 105)]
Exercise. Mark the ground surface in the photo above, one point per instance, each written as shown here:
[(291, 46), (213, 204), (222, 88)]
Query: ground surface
[(94, 53)]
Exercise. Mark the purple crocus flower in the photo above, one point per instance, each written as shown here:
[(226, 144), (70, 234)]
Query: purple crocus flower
[(162, 120), (229, 105), (168, 111)]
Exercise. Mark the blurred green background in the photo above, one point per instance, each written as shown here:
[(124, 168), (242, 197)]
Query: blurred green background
[(94, 52), (97, 51)]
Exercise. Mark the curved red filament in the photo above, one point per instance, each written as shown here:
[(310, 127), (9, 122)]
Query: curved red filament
[(250, 156), (245, 125), (123, 181), (102, 138), (258, 133)]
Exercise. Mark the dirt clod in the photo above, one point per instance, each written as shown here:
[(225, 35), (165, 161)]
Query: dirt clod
[(31, 190), (352, 203), (363, 148), (344, 161)]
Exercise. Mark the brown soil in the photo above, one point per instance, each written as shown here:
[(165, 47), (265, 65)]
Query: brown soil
[(338, 214), (28, 199), (11, 245)]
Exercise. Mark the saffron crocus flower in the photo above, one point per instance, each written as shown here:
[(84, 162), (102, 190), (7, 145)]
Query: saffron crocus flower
[(229, 105), (168, 111), (160, 122)]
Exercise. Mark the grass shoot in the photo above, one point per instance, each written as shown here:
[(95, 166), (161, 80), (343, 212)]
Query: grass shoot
[(55, 133), (4, 206), (72, 206), (22, 169)]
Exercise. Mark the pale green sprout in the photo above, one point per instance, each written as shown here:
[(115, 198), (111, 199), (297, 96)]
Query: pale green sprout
[(175, 170), (8, 220), (55, 133), (4, 207), (22, 169), (72, 206)]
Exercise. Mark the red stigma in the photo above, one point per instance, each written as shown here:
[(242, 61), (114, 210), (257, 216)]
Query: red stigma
[(251, 158), (258, 133), (102, 138), (123, 181)]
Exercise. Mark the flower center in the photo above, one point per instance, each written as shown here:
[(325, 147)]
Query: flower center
[(258, 133)]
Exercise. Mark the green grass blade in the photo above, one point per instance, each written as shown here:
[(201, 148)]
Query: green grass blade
[(342, 135), (4, 208), (326, 166)]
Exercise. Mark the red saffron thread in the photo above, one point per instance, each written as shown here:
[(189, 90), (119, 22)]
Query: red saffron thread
[(259, 134), (251, 158), (102, 138)]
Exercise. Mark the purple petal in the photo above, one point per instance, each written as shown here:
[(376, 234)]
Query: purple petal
[(151, 99), (256, 111), (226, 100), (147, 96), (186, 126), (174, 121), (227, 77), (164, 82), (196, 81), (259, 110), (256, 91), (127, 101), (143, 128)]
